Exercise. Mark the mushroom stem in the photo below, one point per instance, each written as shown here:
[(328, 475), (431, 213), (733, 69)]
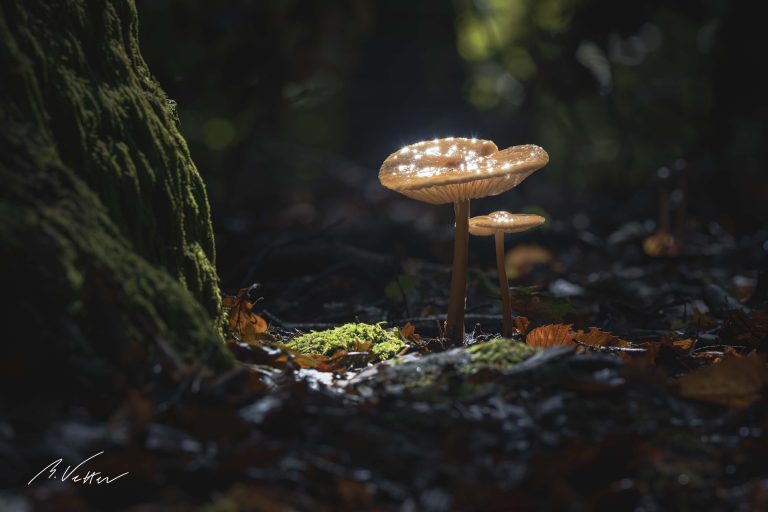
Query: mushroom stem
[(454, 325), (503, 285)]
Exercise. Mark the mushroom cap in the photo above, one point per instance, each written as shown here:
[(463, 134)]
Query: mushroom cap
[(504, 222), (454, 169)]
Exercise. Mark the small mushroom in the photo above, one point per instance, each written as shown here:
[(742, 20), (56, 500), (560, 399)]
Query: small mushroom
[(455, 170), (496, 224), (663, 242)]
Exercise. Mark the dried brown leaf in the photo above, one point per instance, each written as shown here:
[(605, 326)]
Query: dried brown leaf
[(522, 324), (645, 360), (597, 338), (682, 345), (717, 356), (408, 333), (248, 326), (563, 334), (734, 382), (551, 335)]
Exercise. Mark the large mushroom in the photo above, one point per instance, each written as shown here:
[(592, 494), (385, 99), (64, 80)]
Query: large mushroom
[(455, 170), (496, 224)]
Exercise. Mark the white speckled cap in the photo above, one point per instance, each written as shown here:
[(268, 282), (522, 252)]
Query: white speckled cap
[(487, 225), (448, 170)]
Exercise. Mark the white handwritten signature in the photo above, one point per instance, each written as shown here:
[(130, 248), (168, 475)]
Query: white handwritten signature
[(89, 477)]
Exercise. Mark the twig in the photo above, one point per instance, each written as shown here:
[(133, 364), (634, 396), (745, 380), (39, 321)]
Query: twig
[(601, 348), (431, 318)]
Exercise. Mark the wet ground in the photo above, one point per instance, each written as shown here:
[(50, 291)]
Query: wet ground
[(663, 409)]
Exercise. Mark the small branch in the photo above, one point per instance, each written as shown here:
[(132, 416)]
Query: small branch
[(609, 349)]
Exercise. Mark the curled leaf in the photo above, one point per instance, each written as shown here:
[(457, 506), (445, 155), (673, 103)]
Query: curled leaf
[(597, 338), (551, 335), (408, 333), (245, 324), (522, 324), (563, 334)]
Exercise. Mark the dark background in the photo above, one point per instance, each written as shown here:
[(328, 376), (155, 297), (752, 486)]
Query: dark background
[(289, 108)]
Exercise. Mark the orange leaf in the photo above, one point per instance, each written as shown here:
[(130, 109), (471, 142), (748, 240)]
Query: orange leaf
[(563, 334), (597, 338), (408, 332), (254, 332), (734, 382), (522, 324), (716, 356), (550, 335), (247, 325), (683, 345), (310, 361), (230, 301), (648, 359)]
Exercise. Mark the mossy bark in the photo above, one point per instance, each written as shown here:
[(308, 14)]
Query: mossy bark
[(107, 250)]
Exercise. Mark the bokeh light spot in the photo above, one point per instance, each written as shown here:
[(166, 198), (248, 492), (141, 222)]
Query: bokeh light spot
[(218, 133)]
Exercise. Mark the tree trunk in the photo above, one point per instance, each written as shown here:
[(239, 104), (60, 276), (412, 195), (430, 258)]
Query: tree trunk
[(106, 246)]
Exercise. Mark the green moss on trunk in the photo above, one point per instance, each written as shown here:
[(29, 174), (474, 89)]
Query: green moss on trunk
[(107, 247)]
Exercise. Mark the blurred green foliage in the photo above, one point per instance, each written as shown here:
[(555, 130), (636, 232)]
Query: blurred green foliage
[(272, 95), (613, 92)]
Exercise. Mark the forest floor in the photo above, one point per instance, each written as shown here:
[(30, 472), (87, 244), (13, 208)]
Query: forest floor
[(635, 381)]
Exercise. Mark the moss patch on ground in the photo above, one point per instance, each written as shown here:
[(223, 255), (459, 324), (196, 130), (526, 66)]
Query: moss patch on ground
[(499, 354), (352, 337), (455, 369)]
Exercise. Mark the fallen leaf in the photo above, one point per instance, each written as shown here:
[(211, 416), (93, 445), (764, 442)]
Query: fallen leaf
[(717, 356), (652, 349), (408, 333), (729, 351), (709, 356), (315, 361), (359, 354), (597, 338), (563, 334), (551, 335), (248, 326), (522, 324), (683, 345), (734, 382)]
